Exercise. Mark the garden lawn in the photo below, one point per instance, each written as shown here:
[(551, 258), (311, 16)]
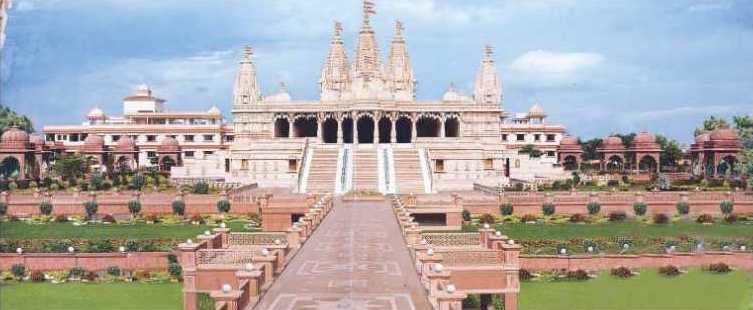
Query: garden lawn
[(85, 296), (696, 290), (633, 229), (22, 230)]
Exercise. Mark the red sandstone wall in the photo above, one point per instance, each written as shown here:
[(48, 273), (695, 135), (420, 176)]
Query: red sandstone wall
[(88, 261), (742, 260), (569, 203)]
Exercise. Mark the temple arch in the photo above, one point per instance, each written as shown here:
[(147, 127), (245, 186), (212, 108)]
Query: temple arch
[(385, 130), (428, 126), (166, 163), (365, 126), (647, 163), (727, 164), (452, 127), (305, 127), (10, 167), (404, 129), (329, 128), (282, 128), (123, 164), (347, 128), (615, 163)]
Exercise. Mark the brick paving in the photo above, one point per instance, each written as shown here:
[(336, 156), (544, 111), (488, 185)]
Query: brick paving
[(356, 259)]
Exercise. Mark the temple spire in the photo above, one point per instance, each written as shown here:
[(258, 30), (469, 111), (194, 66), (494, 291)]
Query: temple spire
[(488, 88), (399, 69), (367, 51), (335, 77), (246, 89)]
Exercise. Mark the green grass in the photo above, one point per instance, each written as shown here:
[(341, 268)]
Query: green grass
[(85, 296), (696, 290), (22, 230), (624, 229)]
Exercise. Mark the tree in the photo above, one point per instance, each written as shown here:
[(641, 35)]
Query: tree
[(670, 151), (531, 150), (589, 149), (711, 123), (71, 167), (10, 118), (744, 126)]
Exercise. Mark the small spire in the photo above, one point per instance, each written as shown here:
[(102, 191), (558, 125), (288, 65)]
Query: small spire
[(368, 10), (283, 88), (248, 54), (488, 52), (338, 30), (452, 87), (399, 29)]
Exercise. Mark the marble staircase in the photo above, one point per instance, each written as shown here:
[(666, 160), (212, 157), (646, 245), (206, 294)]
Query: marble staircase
[(365, 173), (408, 171), (323, 170)]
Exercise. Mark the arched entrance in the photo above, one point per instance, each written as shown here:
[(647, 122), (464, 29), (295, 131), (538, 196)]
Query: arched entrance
[(10, 167), (614, 163), (428, 127), (329, 128), (570, 163), (647, 163), (305, 127), (365, 129), (385, 130), (282, 128), (727, 166), (452, 127), (166, 163), (404, 129), (347, 127), (122, 164)]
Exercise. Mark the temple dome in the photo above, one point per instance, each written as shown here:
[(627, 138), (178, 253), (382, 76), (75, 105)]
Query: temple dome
[(723, 134), (15, 136), (214, 110), (569, 140), (36, 139), (645, 138), (94, 141), (169, 145), (282, 95), (536, 111), (125, 144), (702, 138), (452, 94), (613, 141), (96, 113)]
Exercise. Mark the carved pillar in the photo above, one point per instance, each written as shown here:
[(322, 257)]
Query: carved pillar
[(511, 301), (319, 130), (441, 127), (339, 130), (376, 131), (414, 131), (290, 127), (355, 130), (393, 132)]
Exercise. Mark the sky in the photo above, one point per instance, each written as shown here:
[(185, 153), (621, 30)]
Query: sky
[(596, 66)]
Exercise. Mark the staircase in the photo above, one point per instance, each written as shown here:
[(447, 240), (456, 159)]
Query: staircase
[(322, 170), (408, 174), (365, 171)]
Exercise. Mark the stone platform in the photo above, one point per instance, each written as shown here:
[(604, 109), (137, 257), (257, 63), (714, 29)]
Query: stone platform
[(355, 260)]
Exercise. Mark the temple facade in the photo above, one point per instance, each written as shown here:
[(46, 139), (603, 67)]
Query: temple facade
[(367, 131)]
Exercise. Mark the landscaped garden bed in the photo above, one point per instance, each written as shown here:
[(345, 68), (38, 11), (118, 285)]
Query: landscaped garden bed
[(92, 296)]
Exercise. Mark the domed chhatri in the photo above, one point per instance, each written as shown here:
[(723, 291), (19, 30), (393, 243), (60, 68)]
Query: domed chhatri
[(702, 138), (613, 141), (214, 110), (569, 140), (37, 140), (125, 144), (15, 136), (96, 114), (169, 145), (723, 134), (452, 94), (536, 111), (282, 95), (645, 138)]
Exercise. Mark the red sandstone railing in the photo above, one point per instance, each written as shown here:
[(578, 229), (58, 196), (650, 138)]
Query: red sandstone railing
[(738, 259), (88, 261)]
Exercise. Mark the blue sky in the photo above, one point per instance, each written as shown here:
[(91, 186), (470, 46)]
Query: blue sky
[(597, 66)]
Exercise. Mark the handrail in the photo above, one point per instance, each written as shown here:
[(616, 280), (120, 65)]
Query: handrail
[(301, 167)]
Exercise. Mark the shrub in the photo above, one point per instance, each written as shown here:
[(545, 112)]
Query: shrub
[(525, 275), (91, 208), (726, 207), (705, 218), (683, 208), (172, 259), (61, 218), (98, 246), (114, 271), (640, 208), (37, 276), (590, 243), (45, 208), (506, 208), (577, 218), (487, 218), (76, 273), (108, 218), (95, 181), (18, 271), (90, 276), (529, 218), (621, 272), (661, 218), (593, 208), (201, 188), (179, 207), (613, 183), (175, 269), (669, 271), (617, 216), (719, 268), (134, 207), (577, 275), (223, 206), (138, 181), (548, 209), (466, 215), (3, 209)]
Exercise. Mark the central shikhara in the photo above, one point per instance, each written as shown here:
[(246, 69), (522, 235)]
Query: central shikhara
[(367, 132)]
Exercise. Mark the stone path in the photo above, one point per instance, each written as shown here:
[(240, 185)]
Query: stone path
[(356, 259)]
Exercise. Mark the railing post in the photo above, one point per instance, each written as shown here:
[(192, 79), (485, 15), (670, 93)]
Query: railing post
[(254, 283), (230, 298), (224, 233), (187, 259)]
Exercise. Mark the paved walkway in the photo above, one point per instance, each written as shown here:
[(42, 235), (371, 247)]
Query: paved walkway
[(356, 259)]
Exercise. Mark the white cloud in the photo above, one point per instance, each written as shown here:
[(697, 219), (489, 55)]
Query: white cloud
[(710, 5), (553, 65), (684, 111)]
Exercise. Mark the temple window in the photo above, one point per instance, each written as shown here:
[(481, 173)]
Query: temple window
[(74, 137), (188, 138), (189, 154), (229, 138), (537, 137), (151, 138), (504, 137), (115, 138), (244, 164), (521, 137), (550, 138), (292, 165), (550, 153), (208, 137), (489, 164), (207, 153), (439, 165)]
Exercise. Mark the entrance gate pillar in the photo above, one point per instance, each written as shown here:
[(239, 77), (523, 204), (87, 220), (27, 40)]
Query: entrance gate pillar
[(393, 132)]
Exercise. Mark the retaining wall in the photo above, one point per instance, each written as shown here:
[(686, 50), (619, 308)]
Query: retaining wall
[(742, 260), (88, 261)]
